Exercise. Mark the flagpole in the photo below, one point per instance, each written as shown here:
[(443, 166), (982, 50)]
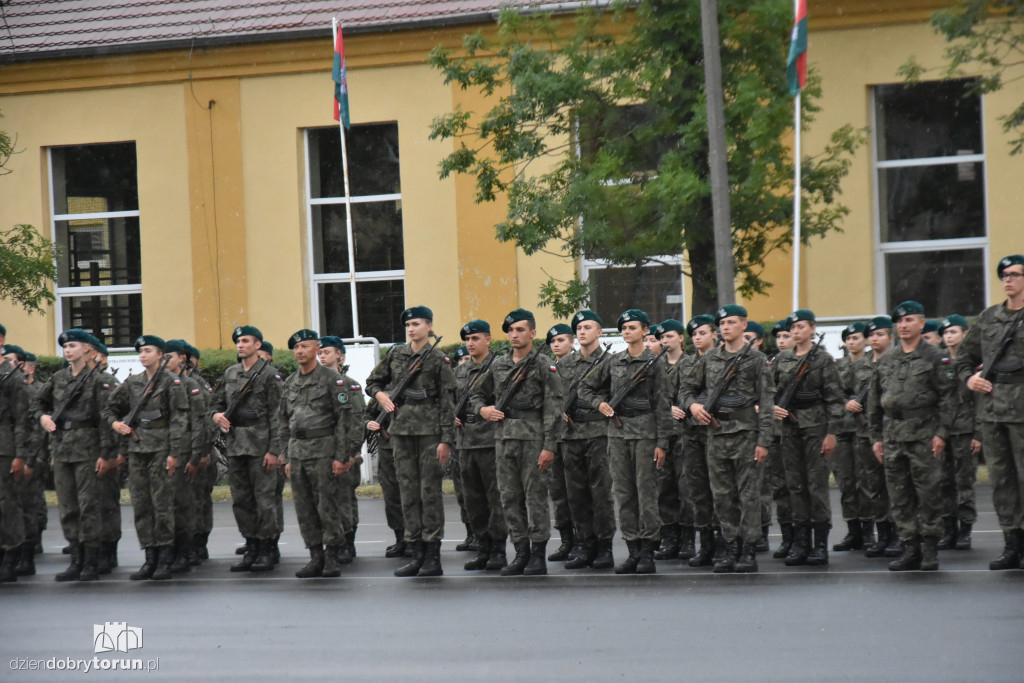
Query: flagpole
[(348, 204), (796, 205)]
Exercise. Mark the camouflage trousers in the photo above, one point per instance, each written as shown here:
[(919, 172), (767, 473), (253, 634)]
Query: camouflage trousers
[(203, 495), (914, 477), (254, 497), (419, 480), (348, 504), (184, 502), (524, 495), (806, 474), (78, 500), (554, 479), (152, 492), (674, 503), (480, 488), (453, 471), (635, 480), (959, 474), (12, 519), (388, 480), (33, 502), (317, 494), (698, 481), (1004, 453), (776, 476), (109, 490), (736, 484), (861, 479), (279, 499), (588, 482)]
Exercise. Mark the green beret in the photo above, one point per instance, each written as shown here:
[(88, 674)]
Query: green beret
[(882, 322), (698, 321), (265, 346), (728, 311), (460, 353), (586, 314), (801, 314), (853, 328), (672, 325), (30, 357), (150, 340), (76, 334), (246, 331), (175, 346), (755, 327), (16, 350), (1007, 261), (560, 328), (633, 315), (907, 308), (931, 326), (3, 331), (475, 327), (417, 312), (193, 352), (102, 348), (331, 340), (953, 321), (515, 316), (655, 329), (301, 336), (781, 326)]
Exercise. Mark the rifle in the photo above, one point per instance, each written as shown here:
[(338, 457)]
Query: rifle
[(133, 416), (461, 405), (801, 372), (715, 397), (626, 389), (58, 417), (861, 395), (246, 389), (516, 380), (14, 367), (1003, 346), (570, 398), (415, 365)]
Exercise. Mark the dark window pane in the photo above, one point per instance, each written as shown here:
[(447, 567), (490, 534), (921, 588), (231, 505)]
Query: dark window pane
[(372, 161), (335, 309), (627, 132), (98, 252), (114, 320), (91, 178), (927, 120), (378, 236), (653, 289), (380, 306), (330, 239), (944, 282), (932, 202)]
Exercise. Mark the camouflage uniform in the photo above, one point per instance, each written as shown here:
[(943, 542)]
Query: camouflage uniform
[(423, 420), (193, 449), (959, 464), (206, 480), (868, 497), (255, 432), (33, 493), (386, 476), (695, 459), (320, 424), (674, 503), (349, 481), (14, 405), (110, 485)]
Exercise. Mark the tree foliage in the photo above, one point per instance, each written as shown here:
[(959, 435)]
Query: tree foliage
[(597, 139), (985, 38)]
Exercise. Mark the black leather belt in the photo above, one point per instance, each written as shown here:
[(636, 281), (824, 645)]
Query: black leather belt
[(802, 405), (517, 414), (846, 436), (312, 433), (1007, 378), (588, 417), (911, 413), (471, 419), (736, 414), (68, 425), (159, 423)]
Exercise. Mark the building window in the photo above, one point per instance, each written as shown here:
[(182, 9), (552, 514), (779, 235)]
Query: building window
[(94, 205), (932, 227), (358, 268)]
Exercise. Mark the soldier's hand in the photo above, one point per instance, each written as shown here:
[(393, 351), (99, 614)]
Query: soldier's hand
[(172, 464), (659, 457), (678, 413), (443, 451), (606, 409), (544, 461), (18, 468), (104, 467), (191, 471), (458, 423), (204, 462), (339, 468), (121, 428), (854, 407), (975, 446), (491, 414), (269, 462), (385, 401), (828, 445), (878, 450), (938, 445), (373, 426), (781, 413), (48, 423), (121, 460), (27, 473), (760, 453), (699, 414), (288, 470), (222, 422), (976, 383)]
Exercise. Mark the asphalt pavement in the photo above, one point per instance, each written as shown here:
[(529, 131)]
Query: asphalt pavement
[(850, 621)]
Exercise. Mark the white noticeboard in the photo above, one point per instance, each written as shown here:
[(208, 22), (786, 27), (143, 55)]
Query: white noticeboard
[(123, 365)]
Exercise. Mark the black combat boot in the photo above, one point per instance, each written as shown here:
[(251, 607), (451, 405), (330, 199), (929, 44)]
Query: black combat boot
[(762, 543), (315, 566), (275, 551), (249, 557), (628, 565), (265, 557), (518, 563), (396, 549), (483, 552), (854, 539), (646, 564), (603, 558), (163, 563), (719, 545), (1010, 559), (929, 553), (39, 543), (787, 542), (497, 559), (668, 549), (707, 549), (66, 550), (877, 549), (801, 546), (204, 548), (536, 566), (26, 561), (350, 546), (147, 568), (468, 544), (75, 568), (240, 550), (561, 553), (747, 561), (8, 565), (818, 556), (432, 559), (949, 533), (182, 555), (895, 547), (687, 548), (868, 531), (727, 557), (583, 554), (910, 557), (103, 562), (90, 559), (963, 538), (332, 562), (345, 552), (412, 567)]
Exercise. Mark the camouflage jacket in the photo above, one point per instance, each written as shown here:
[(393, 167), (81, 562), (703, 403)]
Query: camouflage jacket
[(198, 443), (684, 368), (535, 410), (647, 412), (35, 436), (86, 434), (586, 423), (319, 418), (965, 417), (857, 387), (819, 399), (672, 377), (427, 406), (1006, 402), (910, 397), (118, 444), (476, 432), (14, 398), (163, 422), (752, 387), (255, 429)]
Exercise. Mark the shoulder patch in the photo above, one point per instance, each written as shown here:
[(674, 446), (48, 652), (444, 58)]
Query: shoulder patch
[(195, 391), (552, 368), (447, 360), (945, 360), (340, 382), (177, 381), (277, 377), (106, 386), (343, 398), (355, 387)]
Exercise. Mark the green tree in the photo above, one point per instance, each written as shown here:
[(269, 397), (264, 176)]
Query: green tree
[(985, 39), (585, 175)]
